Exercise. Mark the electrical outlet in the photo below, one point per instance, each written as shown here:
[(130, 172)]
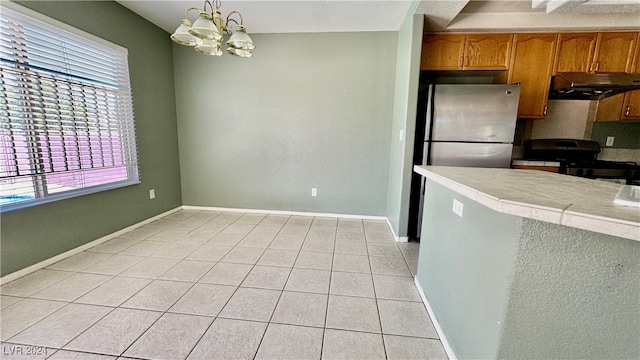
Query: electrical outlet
[(610, 140), (458, 207), (152, 194), (314, 192)]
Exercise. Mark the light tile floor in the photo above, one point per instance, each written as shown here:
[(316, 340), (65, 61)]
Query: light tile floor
[(222, 285)]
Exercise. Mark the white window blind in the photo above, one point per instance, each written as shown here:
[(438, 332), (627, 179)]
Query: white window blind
[(66, 114)]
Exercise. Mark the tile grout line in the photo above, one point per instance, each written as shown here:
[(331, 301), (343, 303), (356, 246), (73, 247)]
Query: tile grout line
[(281, 292), (158, 319), (73, 302), (375, 294), (61, 347), (326, 311), (173, 304), (113, 308), (229, 299)]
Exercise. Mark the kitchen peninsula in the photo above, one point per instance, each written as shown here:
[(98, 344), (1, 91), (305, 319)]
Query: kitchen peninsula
[(529, 264)]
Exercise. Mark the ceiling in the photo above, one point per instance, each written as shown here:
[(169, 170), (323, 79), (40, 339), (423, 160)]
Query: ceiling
[(569, 15), (300, 16)]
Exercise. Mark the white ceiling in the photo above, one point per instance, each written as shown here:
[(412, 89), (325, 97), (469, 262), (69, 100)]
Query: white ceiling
[(571, 15), (299, 16)]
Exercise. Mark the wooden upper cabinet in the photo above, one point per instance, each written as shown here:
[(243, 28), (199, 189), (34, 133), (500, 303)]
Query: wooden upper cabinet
[(575, 52), (631, 103), (631, 106), (487, 51), (531, 66), (606, 52), (466, 52), (614, 52), (609, 108), (442, 52)]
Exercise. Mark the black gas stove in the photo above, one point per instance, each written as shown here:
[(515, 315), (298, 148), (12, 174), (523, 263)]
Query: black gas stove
[(580, 158)]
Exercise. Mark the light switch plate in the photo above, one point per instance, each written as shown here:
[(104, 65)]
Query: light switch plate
[(458, 207)]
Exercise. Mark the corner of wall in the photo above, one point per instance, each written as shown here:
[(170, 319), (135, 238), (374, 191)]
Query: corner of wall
[(404, 114)]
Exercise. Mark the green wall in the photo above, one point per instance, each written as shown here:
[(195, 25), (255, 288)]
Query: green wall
[(34, 234), (627, 134), (404, 119), (507, 287), (464, 269), (307, 110)]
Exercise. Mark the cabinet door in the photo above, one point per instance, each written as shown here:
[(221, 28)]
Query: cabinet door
[(575, 52), (614, 52), (531, 66), (442, 52), (487, 51), (631, 104), (609, 108)]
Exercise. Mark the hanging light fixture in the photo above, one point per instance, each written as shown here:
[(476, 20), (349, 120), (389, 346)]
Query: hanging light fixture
[(206, 33)]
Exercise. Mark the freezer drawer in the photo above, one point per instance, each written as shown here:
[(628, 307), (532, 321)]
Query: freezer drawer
[(470, 154)]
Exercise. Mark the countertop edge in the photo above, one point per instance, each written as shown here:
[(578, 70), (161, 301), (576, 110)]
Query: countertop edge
[(567, 217)]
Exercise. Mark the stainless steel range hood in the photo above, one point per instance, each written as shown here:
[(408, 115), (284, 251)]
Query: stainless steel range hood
[(584, 86)]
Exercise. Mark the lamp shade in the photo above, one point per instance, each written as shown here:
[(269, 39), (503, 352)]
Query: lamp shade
[(204, 28), (240, 40), (209, 47), (182, 35), (239, 52), (206, 32)]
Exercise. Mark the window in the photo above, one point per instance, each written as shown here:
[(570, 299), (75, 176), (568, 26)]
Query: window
[(66, 114)]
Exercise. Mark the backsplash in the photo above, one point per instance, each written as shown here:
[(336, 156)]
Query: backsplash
[(574, 119), (611, 154), (568, 119), (626, 134)]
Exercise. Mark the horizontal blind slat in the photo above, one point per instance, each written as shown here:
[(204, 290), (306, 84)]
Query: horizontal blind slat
[(66, 114)]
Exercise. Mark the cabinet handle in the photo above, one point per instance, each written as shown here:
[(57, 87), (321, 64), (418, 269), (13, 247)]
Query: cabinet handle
[(461, 60), (591, 67), (466, 63), (544, 111), (626, 113), (597, 66)]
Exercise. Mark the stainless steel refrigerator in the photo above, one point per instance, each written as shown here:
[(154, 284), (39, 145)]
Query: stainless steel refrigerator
[(465, 125)]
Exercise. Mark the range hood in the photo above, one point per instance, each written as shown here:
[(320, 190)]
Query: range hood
[(584, 86)]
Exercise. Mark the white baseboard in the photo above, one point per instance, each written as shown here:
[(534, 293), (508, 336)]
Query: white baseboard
[(42, 264), (434, 320), (400, 239), (284, 212)]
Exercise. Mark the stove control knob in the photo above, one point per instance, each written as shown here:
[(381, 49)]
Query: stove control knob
[(589, 172), (580, 172), (627, 174)]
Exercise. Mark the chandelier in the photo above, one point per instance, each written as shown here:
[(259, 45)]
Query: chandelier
[(206, 33)]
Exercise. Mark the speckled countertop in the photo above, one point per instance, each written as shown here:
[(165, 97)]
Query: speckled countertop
[(554, 198)]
